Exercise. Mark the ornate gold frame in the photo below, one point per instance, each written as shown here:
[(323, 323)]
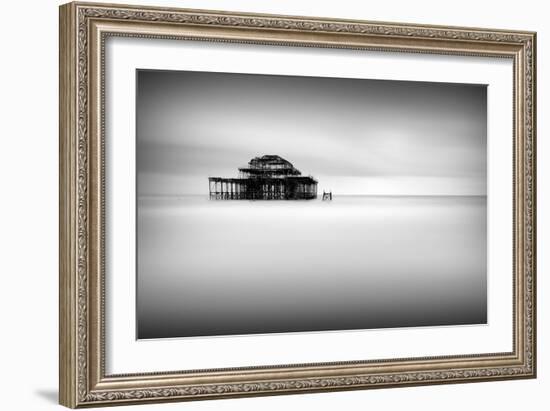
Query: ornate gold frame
[(83, 30)]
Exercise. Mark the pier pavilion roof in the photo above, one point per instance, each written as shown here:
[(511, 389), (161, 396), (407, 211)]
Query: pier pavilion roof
[(270, 165)]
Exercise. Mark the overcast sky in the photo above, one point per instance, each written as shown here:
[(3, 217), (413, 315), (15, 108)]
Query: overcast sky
[(355, 136)]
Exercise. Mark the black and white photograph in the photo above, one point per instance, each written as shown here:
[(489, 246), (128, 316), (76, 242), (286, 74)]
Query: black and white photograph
[(282, 204)]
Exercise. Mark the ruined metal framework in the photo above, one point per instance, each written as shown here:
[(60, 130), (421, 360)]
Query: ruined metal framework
[(269, 177)]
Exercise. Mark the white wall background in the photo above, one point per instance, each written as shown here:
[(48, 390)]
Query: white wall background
[(28, 215)]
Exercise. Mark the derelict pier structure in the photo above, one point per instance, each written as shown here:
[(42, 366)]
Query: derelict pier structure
[(269, 177)]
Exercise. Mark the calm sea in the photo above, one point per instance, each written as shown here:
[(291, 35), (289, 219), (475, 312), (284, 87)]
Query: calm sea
[(209, 267)]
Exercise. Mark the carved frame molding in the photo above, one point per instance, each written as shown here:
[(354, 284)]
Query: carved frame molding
[(83, 30)]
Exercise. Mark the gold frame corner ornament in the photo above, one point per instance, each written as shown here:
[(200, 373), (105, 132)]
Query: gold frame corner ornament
[(83, 30)]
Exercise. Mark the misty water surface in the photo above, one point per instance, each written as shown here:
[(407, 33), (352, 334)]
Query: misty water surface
[(242, 267)]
